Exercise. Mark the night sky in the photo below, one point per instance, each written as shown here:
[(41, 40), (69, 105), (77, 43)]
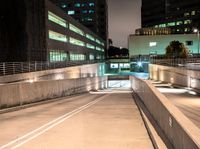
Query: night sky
[(124, 18)]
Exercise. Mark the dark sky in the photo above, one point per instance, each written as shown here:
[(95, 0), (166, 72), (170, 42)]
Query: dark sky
[(124, 17)]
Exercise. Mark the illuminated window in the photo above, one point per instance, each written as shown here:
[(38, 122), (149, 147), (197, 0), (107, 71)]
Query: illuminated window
[(193, 13), (77, 5), (76, 42), (91, 4), (98, 48), (84, 11), (56, 19), (90, 46), (162, 25), (102, 49), (77, 57), (114, 65), (179, 23), (91, 11), (91, 57), (98, 41), (71, 12), (90, 37), (88, 19), (102, 44), (76, 29), (187, 22), (83, 4), (152, 44), (186, 14), (57, 56), (189, 43), (64, 5), (98, 57), (171, 24), (57, 36)]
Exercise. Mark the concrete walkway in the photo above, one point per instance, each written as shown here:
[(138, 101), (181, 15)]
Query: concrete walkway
[(187, 100), (91, 121)]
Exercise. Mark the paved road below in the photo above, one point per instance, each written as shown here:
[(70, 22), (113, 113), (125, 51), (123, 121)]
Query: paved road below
[(187, 100), (89, 121)]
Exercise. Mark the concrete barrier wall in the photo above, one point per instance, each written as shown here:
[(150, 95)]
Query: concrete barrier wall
[(25, 92), (178, 76), (69, 72), (180, 131)]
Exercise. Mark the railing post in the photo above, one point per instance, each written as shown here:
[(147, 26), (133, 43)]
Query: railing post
[(22, 69), (13, 65), (29, 66), (4, 69), (35, 66)]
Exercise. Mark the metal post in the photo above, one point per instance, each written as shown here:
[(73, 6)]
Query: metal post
[(198, 40), (13, 68), (4, 71), (35, 66)]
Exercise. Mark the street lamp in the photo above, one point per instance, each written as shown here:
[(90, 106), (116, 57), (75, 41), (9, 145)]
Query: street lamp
[(197, 31)]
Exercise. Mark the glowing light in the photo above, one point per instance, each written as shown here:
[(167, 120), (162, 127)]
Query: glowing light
[(139, 64), (152, 44), (32, 80), (192, 92), (195, 30), (59, 77)]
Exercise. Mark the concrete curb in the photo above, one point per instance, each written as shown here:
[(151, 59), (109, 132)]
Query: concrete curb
[(156, 135), (145, 123)]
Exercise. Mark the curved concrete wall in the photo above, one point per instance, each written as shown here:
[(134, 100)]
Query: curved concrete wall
[(179, 76), (180, 131), (24, 92)]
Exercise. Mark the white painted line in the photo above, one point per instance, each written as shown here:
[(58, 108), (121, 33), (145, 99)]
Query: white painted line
[(49, 125)]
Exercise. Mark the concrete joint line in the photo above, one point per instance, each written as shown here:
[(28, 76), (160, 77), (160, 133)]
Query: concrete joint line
[(44, 128)]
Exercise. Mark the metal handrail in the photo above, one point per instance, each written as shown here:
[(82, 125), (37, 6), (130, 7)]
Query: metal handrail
[(10, 68), (186, 63)]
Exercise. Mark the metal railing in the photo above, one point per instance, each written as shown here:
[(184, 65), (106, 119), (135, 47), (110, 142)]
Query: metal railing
[(10, 68), (187, 63)]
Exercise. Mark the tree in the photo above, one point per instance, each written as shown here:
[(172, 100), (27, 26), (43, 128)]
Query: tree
[(176, 49), (110, 42)]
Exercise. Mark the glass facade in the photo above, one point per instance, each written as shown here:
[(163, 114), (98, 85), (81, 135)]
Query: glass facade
[(58, 56), (57, 36), (90, 46), (98, 48), (98, 41), (71, 12), (76, 29), (76, 42), (90, 37), (56, 19), (91, 57), (77, 57)]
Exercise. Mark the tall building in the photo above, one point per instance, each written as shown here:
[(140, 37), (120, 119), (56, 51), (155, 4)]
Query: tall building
[(91, 13), (40, 31), (181, 16)]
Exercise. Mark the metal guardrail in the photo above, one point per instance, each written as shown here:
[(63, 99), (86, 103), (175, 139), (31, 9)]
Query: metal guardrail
[(10, 68), (175, 62)]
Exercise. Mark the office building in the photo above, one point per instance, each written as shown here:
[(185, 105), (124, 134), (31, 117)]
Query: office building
[(91, 13), (181, 16), (40, 31), (156, 44)]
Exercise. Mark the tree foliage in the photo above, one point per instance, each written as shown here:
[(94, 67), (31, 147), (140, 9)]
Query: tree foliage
[(115, 52), (176, 49)]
